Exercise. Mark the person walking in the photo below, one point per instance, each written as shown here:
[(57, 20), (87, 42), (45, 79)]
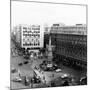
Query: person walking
[(44, 80), (31, 85)]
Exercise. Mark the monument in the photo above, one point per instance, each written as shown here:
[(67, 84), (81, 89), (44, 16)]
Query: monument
[(49, 50)]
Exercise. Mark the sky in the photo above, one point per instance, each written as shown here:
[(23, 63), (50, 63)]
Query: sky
[(46, 13)]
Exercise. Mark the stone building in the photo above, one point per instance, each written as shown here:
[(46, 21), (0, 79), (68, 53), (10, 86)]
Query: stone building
[(70, 43)]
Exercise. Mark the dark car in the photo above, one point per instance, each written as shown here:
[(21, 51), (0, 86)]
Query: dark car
[(26, 56), (48, 66), (83, 81), (36, 79), (66, 62)]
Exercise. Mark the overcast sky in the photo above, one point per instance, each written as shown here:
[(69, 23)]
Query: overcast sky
[(42, 13)]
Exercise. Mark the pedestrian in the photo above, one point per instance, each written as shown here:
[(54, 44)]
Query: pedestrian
[(27, 82), (19, 74), (31, 85), (53, 84), (66, 83), (42, 72), (44, 79), (35, 67), (52, 75)]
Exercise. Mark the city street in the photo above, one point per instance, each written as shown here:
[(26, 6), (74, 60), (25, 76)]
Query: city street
[(27, 70), (48, 46)]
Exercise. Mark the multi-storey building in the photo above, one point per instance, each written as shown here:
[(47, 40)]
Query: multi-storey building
[(17, 33), (70, 43), (78, 29), (32, 36)]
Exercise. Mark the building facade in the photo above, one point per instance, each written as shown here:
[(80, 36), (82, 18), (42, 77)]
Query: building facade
[(70, 43), (32, 37), (17, 33)]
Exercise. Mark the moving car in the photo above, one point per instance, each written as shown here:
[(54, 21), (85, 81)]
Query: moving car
[(17, 79), (58, 70), (49, 66), (36, 79)]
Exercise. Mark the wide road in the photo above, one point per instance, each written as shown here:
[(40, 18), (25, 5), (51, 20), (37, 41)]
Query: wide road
[(27, 69)]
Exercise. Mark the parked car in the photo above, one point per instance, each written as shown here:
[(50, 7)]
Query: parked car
[(83, 80), (14, 70), (66, 62), (66, 77)]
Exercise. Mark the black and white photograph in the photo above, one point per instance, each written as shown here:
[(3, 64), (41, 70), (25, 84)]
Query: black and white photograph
[(48, 44)]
